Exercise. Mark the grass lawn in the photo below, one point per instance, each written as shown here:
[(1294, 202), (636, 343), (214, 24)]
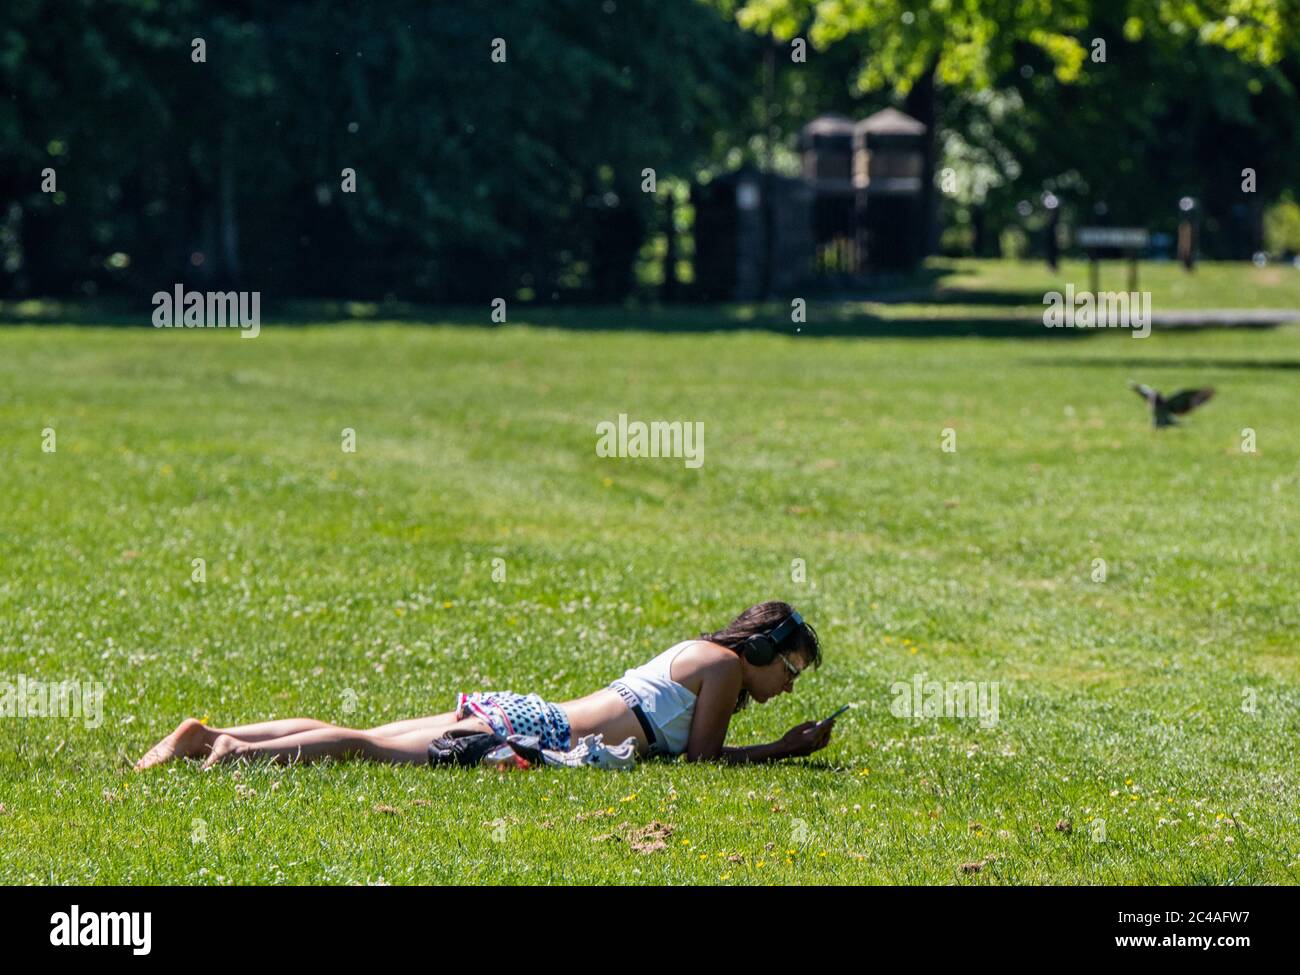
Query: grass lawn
[(359, 588), (1213, 284)]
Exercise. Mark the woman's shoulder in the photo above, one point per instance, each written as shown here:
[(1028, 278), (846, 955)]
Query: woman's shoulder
[(700, 657)]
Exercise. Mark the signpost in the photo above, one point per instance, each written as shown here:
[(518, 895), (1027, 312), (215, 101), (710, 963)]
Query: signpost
[(1102, 242)]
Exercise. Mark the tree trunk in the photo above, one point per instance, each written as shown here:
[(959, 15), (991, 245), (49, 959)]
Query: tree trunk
[(671, 286), (922, 104), (229, 222)]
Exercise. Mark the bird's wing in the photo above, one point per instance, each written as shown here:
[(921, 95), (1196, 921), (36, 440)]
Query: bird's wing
[(1186, 400), (1146, 392)]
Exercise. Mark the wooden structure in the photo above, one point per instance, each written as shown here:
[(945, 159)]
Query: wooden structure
[(856, 208)]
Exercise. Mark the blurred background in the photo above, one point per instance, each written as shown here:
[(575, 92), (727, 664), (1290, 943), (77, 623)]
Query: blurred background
[(629, 150)]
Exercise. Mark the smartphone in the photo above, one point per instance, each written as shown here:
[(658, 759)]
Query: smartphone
[(835, 715)]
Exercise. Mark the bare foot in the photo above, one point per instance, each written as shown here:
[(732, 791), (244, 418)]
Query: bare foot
[(190, 740), (225, 747)]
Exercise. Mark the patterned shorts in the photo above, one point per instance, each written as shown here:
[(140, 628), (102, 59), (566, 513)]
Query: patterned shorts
[(518, 714)]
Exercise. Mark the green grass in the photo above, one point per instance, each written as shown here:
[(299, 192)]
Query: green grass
[(1213, 284), (367, 577)]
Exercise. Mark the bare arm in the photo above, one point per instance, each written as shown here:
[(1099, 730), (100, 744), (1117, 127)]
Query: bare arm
[(802, 739), (752, 754), (719, 688), (714, 705)]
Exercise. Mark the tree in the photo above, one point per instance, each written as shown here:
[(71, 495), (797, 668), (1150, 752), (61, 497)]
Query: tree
[(473, 177), (924, 51)]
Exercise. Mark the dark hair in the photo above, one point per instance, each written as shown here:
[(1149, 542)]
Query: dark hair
[(760, 618)]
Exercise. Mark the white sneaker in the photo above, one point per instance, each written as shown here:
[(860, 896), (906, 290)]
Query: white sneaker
[(592, 750)]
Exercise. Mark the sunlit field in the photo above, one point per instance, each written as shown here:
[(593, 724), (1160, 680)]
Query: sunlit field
[(1130, 592)]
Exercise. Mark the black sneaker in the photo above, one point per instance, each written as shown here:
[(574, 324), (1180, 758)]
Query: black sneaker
[(461, 750)]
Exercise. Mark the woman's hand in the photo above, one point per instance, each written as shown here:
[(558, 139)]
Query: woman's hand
[(804, 739)]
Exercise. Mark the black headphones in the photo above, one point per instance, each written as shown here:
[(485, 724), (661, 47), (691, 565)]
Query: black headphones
[(761, 648)]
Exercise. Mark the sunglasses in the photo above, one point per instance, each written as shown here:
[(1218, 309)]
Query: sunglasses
[(794, 671)]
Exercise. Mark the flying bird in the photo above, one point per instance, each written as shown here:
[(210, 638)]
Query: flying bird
[(1181, 403)]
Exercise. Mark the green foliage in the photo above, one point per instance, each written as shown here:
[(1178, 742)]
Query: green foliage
[(972, 43), (474, 178), (523, 179), (1181, 82), (1282, 226), (1013, 243)]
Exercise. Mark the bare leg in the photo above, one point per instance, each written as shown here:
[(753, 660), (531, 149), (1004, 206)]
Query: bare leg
[(331, 742), (265, 730), (190, 740), (436, 723), (193, 739)]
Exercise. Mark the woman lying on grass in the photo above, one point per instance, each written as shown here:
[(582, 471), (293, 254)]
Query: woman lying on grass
[(681, 701)]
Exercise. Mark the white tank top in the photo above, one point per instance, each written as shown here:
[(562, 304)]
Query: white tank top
[(667, 704)]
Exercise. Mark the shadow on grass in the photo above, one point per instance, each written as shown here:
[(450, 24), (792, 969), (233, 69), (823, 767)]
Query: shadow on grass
[(793, 765), (839, 319), (845, 318), (826, 319), (914, 304), (924, 286), (1130, 363)]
